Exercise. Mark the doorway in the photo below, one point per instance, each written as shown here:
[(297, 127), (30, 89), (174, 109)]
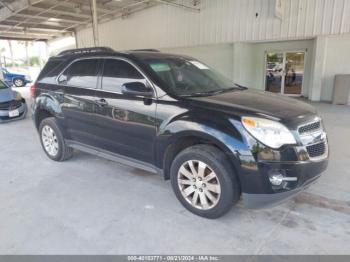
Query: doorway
[(285, 72)]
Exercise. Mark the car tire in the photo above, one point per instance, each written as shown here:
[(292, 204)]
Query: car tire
[(18, 82), (212, 173), (52, 140)]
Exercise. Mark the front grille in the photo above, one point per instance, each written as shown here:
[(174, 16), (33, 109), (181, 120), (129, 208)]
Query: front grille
[(316, 150), (311, 127), (10, 105)]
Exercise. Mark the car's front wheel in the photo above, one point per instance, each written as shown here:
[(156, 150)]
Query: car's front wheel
[(52, 140), (18, 82), (204, 181)]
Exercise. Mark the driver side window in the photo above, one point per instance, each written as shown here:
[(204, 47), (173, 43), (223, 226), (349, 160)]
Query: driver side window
[(118, 72)]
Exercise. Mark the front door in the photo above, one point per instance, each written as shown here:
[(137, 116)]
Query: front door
[(285, 72), (125, 125)]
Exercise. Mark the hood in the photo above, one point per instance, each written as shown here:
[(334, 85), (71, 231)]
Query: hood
[(254, 102), (7, 94), (16, 74)]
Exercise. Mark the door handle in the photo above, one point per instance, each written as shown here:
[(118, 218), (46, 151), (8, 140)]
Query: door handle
[(101, 102)]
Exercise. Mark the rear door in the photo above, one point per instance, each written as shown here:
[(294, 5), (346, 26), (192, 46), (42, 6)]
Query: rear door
[(126, 125), (79, 81)]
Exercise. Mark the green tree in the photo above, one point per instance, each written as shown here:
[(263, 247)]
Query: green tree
[(34, 60)]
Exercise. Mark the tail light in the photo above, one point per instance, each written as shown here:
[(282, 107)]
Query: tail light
[(32, 90)]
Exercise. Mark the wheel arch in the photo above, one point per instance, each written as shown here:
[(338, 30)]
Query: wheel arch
[(43, 107), (185, 139)]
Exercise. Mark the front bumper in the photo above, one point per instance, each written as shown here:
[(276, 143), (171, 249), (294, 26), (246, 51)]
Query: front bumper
[(4, 114), (306, 172), (297, 166)]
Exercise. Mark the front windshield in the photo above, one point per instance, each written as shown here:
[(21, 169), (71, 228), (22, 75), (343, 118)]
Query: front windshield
[(3, 85), (186, 77)]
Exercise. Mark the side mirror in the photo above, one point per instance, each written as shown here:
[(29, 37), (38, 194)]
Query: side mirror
[(62, 79), (137, 89)]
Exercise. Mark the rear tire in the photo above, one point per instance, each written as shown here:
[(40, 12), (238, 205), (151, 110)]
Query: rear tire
[(52, 140), (18, 82), (204, 181)]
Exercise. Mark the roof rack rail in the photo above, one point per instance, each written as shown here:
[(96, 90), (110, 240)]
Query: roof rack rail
[(146, 50), (86, 50)]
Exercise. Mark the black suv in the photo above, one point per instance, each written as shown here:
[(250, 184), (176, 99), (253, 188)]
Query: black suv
[(215, 140)]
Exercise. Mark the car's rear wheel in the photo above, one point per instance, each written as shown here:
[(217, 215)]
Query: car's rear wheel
[(52, 140), (18, 82), (204, 181)]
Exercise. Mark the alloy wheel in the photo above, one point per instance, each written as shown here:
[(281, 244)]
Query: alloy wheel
[(50, 141), (199, 184), (18, 82)]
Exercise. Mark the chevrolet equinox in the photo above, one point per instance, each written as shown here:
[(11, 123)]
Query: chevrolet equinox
[(215, 140)]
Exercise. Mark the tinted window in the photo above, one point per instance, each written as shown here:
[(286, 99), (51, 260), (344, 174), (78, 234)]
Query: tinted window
[(188, 77), (82, 73), (118, 72), (49, 69)]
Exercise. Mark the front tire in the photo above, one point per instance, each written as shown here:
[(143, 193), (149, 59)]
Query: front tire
[(18, 82), (52, 140), (204, 181)]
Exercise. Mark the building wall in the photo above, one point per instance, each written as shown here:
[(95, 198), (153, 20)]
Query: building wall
[(60, 44), (337, 62), (222, 21), (218, 56), (233, 36)]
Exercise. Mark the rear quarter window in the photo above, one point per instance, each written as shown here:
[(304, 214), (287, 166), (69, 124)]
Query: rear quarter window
[(82, 73), (49, 72)]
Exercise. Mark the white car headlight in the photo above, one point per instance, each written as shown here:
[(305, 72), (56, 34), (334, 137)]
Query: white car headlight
[(268, 132), (18, 96)]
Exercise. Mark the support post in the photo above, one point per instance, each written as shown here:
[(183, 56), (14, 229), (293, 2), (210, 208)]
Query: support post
[(76, 39), (318, 68), (95, 23)]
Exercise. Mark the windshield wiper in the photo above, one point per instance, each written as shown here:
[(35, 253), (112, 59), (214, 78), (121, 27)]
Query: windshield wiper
[(217, 91), (240, 86)]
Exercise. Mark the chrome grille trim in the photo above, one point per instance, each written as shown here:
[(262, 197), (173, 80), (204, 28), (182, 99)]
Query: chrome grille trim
[(310, 127), (318, 151)]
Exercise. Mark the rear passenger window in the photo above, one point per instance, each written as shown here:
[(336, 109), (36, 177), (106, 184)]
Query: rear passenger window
[(49, 72), (118, 72), (82, 73)]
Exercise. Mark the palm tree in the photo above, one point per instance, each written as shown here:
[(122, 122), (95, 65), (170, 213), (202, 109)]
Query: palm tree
[(27, 56), (11, 52), (26, 44), (2, 50)]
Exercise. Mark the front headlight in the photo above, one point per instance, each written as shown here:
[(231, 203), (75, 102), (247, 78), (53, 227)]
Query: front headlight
[(268, 132), (18, 96), (27, 78)]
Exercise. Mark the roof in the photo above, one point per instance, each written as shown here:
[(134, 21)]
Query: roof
[(106, 51), (49, 19)]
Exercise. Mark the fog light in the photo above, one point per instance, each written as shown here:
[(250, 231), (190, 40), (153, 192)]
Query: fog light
[(276, 179)]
